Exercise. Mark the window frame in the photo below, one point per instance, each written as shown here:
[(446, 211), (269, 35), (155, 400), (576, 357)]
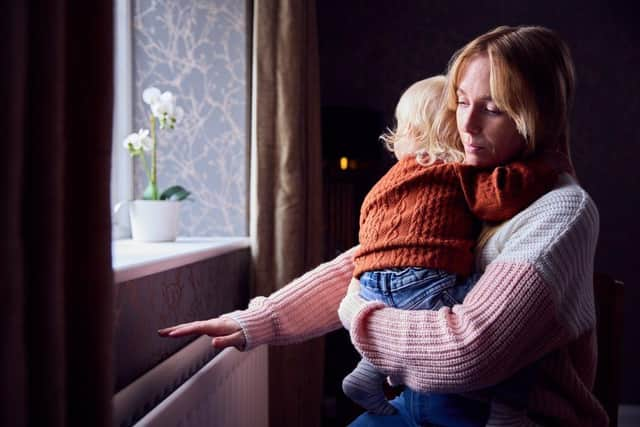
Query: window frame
[(121, 162)]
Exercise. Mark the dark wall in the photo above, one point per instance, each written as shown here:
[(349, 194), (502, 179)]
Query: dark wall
[(370, 51)]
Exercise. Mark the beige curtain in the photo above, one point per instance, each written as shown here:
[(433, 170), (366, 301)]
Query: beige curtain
[(286, 187)]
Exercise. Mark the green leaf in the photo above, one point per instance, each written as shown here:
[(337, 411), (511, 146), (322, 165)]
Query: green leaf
[(150, 193), (176, 193)]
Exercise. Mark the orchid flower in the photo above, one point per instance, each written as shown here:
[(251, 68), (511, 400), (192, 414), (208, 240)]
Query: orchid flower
[(164, 110), (138, 141)]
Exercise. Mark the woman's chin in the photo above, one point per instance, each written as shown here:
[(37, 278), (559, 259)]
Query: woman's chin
[(477, 161)]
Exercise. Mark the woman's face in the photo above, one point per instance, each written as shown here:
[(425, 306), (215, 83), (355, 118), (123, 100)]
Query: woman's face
[(489, 136)]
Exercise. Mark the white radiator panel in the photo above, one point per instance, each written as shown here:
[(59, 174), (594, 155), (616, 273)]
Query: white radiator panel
[(229, 391)]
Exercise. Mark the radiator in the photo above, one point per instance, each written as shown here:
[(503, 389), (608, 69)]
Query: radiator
[(231, 390)]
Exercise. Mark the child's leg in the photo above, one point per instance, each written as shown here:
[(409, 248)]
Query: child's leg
[(430, 290), (409, 288), (364, 385)]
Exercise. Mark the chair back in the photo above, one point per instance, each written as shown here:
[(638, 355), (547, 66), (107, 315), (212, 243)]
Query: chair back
[(609, 298)]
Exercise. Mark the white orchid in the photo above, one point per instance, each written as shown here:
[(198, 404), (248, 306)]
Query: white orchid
[(145, 140), (150, 95), (163, 109), (137, 141)]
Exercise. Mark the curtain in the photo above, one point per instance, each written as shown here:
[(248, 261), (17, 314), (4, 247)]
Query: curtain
[(56, 309), (286, 187)]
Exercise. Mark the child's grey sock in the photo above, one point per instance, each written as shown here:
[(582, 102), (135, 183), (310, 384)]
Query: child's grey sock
[(364, 386)]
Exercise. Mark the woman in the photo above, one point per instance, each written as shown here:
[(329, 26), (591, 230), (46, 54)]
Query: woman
[(509, 88)]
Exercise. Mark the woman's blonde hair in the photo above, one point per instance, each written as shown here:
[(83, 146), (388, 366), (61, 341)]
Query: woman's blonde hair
[(414, 116), (532, 79)]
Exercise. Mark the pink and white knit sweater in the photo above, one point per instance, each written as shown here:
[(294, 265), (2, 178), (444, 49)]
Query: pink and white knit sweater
[(534, 301)]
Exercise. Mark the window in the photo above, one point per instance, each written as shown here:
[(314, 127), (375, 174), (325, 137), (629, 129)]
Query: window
[(197, 50), (121, 165)]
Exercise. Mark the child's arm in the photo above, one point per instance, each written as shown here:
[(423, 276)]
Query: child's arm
[(496, 195)]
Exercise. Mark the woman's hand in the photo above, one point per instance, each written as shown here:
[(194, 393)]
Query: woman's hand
[(225, 332)]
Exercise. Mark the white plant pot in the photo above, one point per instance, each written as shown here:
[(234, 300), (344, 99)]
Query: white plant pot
[(154, 220)]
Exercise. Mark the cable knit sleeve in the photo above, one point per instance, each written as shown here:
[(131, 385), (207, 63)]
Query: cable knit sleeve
[(534, 297), (498, 194), (305, 308)]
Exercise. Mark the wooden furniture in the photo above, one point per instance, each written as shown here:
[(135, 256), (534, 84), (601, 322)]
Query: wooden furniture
[(609, 298)]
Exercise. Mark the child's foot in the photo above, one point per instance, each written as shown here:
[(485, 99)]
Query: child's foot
[(367, 393)]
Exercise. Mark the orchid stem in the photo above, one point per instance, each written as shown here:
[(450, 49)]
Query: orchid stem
[(154, 152), (153, 149), (146, 168)]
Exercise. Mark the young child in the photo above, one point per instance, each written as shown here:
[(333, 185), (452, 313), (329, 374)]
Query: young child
[(419, 225)]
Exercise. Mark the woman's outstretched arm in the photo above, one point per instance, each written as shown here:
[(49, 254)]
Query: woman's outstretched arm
[(305, 308)]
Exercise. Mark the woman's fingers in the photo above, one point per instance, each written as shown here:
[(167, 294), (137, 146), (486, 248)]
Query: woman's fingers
[(218, 327), (235, 339), (195, 328), (225, 332), (165, 332), (182, 329)]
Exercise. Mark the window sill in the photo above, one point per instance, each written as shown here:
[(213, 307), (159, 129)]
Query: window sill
[(132, 260)]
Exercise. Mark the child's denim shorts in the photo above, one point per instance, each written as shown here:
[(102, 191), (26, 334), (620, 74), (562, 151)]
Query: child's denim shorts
[(415, 288)]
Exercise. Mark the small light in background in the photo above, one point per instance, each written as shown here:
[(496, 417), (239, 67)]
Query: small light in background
[(344, 163)]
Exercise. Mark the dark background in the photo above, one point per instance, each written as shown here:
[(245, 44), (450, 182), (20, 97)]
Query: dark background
[(370, 51)]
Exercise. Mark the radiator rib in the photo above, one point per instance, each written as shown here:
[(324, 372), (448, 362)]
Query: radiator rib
[(229, 391)]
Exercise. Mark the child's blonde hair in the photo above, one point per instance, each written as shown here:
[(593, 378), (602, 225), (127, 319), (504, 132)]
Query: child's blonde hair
[(414, 115)]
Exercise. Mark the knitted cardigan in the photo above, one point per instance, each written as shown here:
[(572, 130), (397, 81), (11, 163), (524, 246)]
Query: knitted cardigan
[(533, 302)]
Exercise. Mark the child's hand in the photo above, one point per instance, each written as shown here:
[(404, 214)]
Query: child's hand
[(225, 332)]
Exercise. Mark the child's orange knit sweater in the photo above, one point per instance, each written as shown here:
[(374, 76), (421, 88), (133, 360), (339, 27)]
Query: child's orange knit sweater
[(429, 216)]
